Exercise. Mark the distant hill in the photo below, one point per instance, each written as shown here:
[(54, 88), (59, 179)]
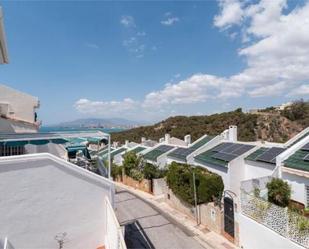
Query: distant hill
[(268, 124), (99, 122)]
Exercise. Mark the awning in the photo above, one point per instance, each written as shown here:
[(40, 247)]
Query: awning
[(59, 141), (39, 142), (13, 143)]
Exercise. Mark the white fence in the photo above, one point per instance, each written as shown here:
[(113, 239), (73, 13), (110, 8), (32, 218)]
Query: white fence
[(286, 223), (114, 236), (7, 244)]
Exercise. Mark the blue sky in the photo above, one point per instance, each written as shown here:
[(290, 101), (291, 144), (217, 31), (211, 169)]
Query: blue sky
[(149, 60)]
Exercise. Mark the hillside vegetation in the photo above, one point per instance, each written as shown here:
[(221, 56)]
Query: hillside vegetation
[(267, 124)]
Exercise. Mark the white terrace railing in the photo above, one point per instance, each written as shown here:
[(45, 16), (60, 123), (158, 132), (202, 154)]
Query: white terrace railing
[(114, 236), (287, 223), (7, 244)]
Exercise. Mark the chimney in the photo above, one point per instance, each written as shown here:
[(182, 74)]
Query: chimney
[(187, 139), (126, 144), (161, 140), (143, 140), (232, 133), (115, 144), (167, 138)]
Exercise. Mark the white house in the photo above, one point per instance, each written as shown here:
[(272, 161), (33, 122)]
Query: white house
[(17, 111), (46, 201), (3, 48)]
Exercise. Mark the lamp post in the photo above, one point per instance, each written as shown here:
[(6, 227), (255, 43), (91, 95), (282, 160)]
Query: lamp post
[(195, 197)]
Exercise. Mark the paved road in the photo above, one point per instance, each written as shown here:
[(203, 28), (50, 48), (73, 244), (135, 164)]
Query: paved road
[(147, 227)]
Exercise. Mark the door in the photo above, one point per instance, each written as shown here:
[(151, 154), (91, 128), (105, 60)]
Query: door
[(229, 216)]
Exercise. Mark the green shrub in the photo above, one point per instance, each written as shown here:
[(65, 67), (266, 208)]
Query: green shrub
[(279, 192), (137, 175), (116, 171), (151, 171), (209, 186), (131, 161)]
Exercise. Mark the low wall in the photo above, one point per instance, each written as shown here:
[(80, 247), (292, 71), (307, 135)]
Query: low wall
[(144, 185), (256, 236), (159, 186), (209, 215)]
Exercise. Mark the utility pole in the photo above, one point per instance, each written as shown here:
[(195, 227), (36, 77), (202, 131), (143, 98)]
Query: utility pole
[(195, 197)]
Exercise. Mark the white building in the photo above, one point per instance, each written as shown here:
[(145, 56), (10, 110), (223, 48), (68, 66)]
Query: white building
[(17, 111), (3, 47), (46, 201)]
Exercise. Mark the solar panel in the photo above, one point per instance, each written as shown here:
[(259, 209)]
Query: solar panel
[(305, 147), (243, 149), (164, 148), (221, 147), (270, 155), (224, 156), (231, 148), (306, 158)]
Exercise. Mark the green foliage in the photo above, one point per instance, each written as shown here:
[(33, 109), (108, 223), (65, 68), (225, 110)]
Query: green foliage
[(279, 192), (136, 175), (298, 111), (303, 224), (116, 171), (209, 186), (131, 161), (151, 171)]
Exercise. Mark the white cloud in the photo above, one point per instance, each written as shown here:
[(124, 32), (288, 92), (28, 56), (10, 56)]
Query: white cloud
[(92, 45), (276, 53), (105, 108), (127, 21), (231, 13), (170, 20), (302, 90)]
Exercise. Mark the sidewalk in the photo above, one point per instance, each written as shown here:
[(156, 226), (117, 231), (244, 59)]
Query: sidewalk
[(206, 238)]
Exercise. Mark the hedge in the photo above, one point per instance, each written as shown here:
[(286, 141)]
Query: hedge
[(209, 186)]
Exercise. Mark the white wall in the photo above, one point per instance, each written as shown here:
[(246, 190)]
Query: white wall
[(11, 126), (41, 198), (22, 104), (257, 169), (256, 236), (298, 185)]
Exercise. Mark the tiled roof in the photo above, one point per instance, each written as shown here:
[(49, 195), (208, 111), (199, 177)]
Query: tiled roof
[(297, 160), (138, 149), (199, 143), (156, 152), (223, 153)]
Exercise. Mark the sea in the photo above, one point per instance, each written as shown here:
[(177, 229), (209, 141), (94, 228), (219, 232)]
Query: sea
[(62, 129)]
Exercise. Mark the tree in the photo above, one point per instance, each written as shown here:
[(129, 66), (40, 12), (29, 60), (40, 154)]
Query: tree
[(131, 161), (151, 171), (209, 186), (279, 192)]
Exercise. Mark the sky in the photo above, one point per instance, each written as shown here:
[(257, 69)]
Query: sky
[(148, 60)]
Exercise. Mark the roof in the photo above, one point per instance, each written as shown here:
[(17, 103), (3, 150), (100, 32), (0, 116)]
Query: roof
[(150, 143), (153, 154), (223, 153), (118, 151), (138, 149), (103, 152), (200, 142), (265, 155), (300, 138), (3, 48), (181, 153), (299, 160), (177, 141)]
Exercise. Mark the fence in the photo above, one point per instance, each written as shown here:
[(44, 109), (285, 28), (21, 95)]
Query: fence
[(114, 236), (7, 244), (289, 224)]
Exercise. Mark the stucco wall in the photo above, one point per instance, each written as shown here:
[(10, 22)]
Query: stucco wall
[(257, 169), (256, 236), (20, 103), (11, 126), (41, 198), (298, 184)]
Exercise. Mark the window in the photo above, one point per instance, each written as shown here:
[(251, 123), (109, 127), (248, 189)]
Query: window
[(12, 150)]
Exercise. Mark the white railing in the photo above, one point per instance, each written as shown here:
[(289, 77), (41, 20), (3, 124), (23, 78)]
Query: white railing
[(7, 244), (114, 237)]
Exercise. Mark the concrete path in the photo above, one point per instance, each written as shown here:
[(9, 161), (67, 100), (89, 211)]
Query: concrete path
[(147, 227), (161, 224)]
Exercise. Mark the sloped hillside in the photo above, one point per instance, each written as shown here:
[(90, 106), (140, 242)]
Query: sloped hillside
[(268, 124)]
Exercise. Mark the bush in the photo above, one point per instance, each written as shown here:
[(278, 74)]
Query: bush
[(151, 171), (209, 186), (131, 161), (137, 175), (279, 192), (116, 171)]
